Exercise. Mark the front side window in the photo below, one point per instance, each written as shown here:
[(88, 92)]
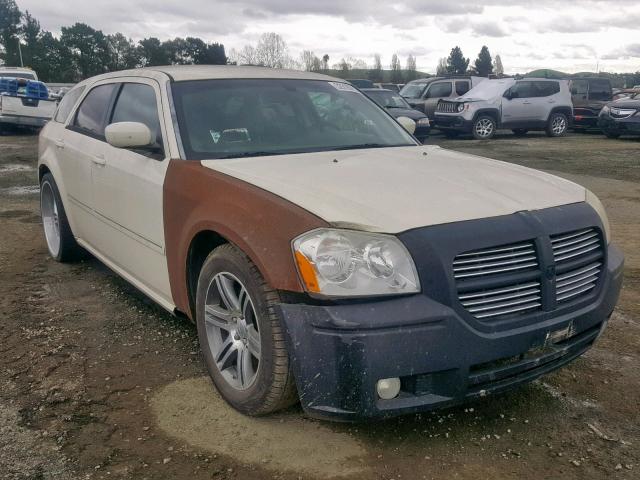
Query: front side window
[(439, 90), (462, 87), (137, 103), (254, 117), (67, 103), (93, 110)]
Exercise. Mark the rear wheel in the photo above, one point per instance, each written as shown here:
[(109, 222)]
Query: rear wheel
[(520, 132), (57, 232), (241, 336), (557, 125), (484, 127)]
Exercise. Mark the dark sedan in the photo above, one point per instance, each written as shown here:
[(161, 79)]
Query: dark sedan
[(398, 107), (621, 117)]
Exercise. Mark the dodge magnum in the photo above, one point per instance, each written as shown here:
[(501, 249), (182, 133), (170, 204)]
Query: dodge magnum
[(325, 255)]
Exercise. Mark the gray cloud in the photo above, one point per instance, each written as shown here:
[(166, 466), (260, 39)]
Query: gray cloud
[(488, 29)]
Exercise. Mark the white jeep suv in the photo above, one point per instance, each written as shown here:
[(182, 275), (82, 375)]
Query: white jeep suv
[(519, 105)]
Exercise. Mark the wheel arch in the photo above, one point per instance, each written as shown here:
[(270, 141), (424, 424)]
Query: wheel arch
[(565, 110), (491, 112)]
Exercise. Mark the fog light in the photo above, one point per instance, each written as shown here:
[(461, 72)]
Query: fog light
[(388, 388)]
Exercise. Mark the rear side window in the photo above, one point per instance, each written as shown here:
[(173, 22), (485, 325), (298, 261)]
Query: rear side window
[(67, 103), (462, 87), (546, 89), (438, 90), (522, 90), (92, 112), (599, 90), (137, 103)]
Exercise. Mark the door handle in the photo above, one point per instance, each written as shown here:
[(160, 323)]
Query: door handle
[(99, 159), (59, 143)]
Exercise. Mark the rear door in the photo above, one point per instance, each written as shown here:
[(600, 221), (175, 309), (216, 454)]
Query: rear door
[(127, 192), (579, 92), (436, 91), (81, 145), (522, 107)]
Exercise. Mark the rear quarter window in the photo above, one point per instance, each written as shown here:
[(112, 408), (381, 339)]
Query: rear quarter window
[(546, 89), (438, 90), (462, 87), (600, 90), (67, 103)]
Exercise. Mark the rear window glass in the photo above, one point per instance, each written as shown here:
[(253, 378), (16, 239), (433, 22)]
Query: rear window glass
[(67, 103), (92, 112)]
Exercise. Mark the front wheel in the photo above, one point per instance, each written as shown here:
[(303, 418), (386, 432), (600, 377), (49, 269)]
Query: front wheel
[(610, 134), (241, 336), (557, 125), (484, 128)]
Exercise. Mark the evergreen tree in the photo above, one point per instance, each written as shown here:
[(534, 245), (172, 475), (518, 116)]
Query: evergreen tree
[(456, 63), (483, 64)]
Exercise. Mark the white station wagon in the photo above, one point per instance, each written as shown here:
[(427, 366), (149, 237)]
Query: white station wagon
[(324, 254)]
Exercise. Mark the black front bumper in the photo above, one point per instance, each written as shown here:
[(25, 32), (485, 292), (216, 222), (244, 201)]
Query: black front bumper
[(442, 355), (622, 126), (452, 122)]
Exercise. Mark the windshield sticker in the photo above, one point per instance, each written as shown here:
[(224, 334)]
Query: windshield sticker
[(344, 87), (214, 135)]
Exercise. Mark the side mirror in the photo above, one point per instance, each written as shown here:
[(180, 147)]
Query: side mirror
[(507, 95), (128, 135), (408, 124)]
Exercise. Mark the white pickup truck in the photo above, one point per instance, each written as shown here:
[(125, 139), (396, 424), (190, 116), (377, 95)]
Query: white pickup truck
[(24, 100)]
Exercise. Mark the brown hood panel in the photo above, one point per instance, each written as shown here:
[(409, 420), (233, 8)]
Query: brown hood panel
[(260, 223)]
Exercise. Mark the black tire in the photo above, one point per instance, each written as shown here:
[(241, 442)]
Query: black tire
[(451, 133), (273, 387), (610, 134), (68, 250), (557, 125), (519, 132), (484, 127)]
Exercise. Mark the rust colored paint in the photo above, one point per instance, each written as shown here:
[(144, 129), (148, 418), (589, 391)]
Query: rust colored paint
[(261, 224)]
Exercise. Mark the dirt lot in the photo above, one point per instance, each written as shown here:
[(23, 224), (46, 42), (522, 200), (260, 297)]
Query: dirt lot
[(98, 383)]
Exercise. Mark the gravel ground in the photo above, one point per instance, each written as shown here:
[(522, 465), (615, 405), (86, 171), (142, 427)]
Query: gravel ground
[(96, 382)]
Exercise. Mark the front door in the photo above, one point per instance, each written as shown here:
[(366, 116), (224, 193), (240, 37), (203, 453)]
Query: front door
[(127, 193), (434, 93), (520, 107)]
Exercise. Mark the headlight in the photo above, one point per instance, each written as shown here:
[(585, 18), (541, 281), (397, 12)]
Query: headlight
[(595, 203), (461, 107), (346, 263), (423, 122)]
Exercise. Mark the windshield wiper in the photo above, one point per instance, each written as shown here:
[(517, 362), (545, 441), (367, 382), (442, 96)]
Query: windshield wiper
[(369, 145), (251, 154)]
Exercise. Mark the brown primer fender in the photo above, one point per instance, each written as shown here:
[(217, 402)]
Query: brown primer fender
[(260, 223)]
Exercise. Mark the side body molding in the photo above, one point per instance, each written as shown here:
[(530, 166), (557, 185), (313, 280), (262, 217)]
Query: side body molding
[(260, 223)]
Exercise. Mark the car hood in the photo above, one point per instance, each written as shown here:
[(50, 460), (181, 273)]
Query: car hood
[(391, 190), (625, 103)]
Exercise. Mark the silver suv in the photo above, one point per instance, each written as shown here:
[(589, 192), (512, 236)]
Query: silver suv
[(519, 105), (423, 94)]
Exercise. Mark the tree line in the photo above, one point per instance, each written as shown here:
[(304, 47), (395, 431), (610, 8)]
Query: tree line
[(82, 51)]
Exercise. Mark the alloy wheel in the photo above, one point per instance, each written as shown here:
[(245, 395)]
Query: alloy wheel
[(558, 125), (50, 218), (232, 330), (484, 128)]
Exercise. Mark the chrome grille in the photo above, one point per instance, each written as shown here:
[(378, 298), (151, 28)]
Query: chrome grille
[(491, 261), (575, 244), (447, 107), (503, 301), (579, 252)]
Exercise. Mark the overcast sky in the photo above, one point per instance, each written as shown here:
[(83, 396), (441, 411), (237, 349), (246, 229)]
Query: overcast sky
[(572, 35)]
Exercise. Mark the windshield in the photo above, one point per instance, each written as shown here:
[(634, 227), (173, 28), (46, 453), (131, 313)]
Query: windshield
[(413, 90), (489, 89), (387, 99), (28, 76), (251, 117)]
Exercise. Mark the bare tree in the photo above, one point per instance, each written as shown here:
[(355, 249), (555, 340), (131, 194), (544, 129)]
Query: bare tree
[(308, 60), (497, 66), (357, 63), (396, 69), (325, 62), (411, 69), (376, 72), (442, 67), (272, 51)]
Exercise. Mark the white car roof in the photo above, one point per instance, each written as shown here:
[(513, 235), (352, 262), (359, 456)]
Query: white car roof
[(206, 72)]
